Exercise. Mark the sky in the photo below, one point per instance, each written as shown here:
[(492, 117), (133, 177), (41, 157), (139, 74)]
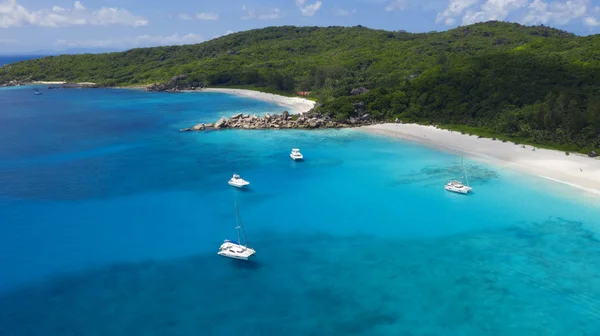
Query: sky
[(32, 25)]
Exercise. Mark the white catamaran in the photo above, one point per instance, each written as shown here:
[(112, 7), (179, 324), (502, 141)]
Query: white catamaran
[(458, 186), (235, 249), (296, 155)]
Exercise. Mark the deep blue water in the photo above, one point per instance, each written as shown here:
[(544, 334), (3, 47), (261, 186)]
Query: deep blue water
[(17, 58), (110, 222)]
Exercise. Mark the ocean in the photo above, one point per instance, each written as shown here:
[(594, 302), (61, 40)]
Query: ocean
[(17, 58), (111, 220)]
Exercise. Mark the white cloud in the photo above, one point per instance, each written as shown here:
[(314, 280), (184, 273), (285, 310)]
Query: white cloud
[(271, 14), (138, 41), (591, 22), (308, 10), (556, 12), (455, 9), (396, 5), (493, 10), (207, 16), (7, 41), (343, 12), (184, 17), (78, 5), (14, 15)]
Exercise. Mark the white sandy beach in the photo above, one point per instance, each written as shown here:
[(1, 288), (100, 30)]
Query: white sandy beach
[(61, 82), (50, 82), (294, 104), (575, 170)]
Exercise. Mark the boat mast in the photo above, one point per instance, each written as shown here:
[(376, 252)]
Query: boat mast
[(463, 168), (240, 224)]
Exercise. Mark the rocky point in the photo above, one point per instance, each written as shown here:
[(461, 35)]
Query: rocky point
[(283, 121)]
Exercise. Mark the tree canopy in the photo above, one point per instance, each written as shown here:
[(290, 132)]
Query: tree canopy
[(532, 83)]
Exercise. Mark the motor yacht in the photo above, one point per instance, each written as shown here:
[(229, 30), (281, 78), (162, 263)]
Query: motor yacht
[(238, 182)]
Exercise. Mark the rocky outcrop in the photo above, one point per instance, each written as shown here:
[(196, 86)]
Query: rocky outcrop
[(222, 123), (16, 82), (358, 91), (283, 121), (79, 86), (592, 154), (359, 108), (175, 84)]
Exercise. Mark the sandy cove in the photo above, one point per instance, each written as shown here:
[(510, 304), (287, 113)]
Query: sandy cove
[(294, 104), (575, 170)]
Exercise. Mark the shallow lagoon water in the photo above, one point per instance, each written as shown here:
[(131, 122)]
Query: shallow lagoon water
[(111, 220)]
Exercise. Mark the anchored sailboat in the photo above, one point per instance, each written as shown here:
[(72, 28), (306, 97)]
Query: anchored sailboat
[(235, 249), (458, 186)]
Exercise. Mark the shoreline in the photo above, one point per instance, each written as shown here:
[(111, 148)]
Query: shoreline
[(61, 83), (296, 105), (574, 170), (48, 82)]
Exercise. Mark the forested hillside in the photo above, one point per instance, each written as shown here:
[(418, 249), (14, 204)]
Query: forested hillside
[(534, 84)]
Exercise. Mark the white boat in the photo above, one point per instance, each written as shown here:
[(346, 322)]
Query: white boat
[(238, 182), (459, 186), (235, 249), (296, 155)]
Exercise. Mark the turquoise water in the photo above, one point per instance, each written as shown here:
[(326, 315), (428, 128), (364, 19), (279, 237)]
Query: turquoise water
[(111, 220)]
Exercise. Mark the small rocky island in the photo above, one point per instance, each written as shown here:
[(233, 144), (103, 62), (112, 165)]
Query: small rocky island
[(308, 120)]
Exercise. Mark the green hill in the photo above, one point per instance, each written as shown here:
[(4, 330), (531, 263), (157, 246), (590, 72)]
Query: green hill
[(535, 84)]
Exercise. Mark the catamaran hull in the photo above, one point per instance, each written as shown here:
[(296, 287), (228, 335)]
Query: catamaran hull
[(458, 191), (235, 251), (296, 158), (235, 256)]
